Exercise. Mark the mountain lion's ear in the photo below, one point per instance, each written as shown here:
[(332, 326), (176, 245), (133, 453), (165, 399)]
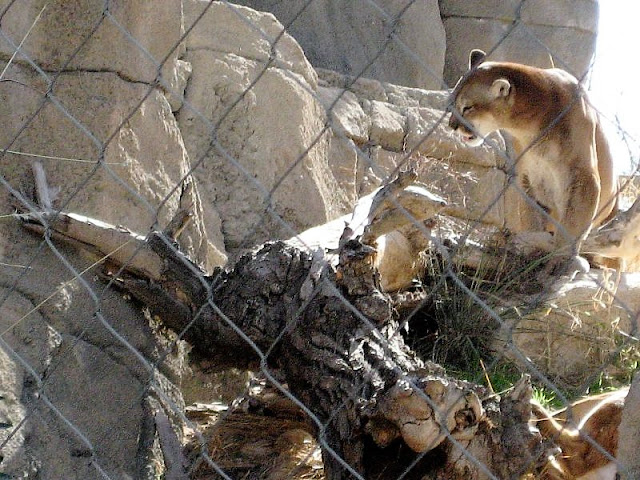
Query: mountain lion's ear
[(500, 88), (476, 57)]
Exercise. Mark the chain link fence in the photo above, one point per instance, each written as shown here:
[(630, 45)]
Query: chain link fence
[(204, 121)]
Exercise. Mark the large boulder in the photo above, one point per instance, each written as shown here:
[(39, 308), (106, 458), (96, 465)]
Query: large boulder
[(529, 32), (106, 132), (255, 129), (576, 333), (395, 41), (87, 36), (73, 377), (109, 159)]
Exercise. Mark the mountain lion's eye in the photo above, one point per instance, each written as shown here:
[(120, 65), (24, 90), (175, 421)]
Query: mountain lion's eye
[(466, 109)]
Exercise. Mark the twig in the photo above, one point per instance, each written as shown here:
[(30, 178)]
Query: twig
[(171, 448), (43, 193)]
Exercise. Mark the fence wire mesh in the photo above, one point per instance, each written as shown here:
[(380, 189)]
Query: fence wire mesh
[(98, 123)]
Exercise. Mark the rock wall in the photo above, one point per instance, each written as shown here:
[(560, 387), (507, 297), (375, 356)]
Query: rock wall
[(72, 393), (431, 40), (557, 29), (353, 38), (110, 159), (328, 159), (272, 145)]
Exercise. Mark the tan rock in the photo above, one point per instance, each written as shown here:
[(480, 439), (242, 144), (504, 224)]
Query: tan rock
[(576, 334), (268, 174), (398, 95), (111, 160), (579, 14), (344, 158), (175, 95), (27, 344), (387, 127), (397, 261), (132, 39), (380, 166), (345, 113), (321, 237), (236, 30), (12, 412), (417, 97), (472, 192), (80, 364), (62, 356), (566, 30), (354, 37)]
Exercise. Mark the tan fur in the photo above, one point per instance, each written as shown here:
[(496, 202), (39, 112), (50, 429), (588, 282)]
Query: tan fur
[(563, 158), (596, 418)]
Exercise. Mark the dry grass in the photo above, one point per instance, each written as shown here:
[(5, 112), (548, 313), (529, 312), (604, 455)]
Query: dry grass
[(256, 446)]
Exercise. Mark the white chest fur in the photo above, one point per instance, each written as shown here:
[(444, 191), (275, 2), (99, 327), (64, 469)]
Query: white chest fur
[(541, 172)]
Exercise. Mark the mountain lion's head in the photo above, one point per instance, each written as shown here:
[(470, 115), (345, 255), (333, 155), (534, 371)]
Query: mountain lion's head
[(482, 100)]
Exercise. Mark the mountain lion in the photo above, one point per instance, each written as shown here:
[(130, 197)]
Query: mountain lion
[(576, 431), (562, 159)]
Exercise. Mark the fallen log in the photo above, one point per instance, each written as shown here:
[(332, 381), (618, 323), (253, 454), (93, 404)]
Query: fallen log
[(333, 337)]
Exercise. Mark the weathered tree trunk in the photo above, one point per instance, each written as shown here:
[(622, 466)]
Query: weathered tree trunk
[(333, 338)]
